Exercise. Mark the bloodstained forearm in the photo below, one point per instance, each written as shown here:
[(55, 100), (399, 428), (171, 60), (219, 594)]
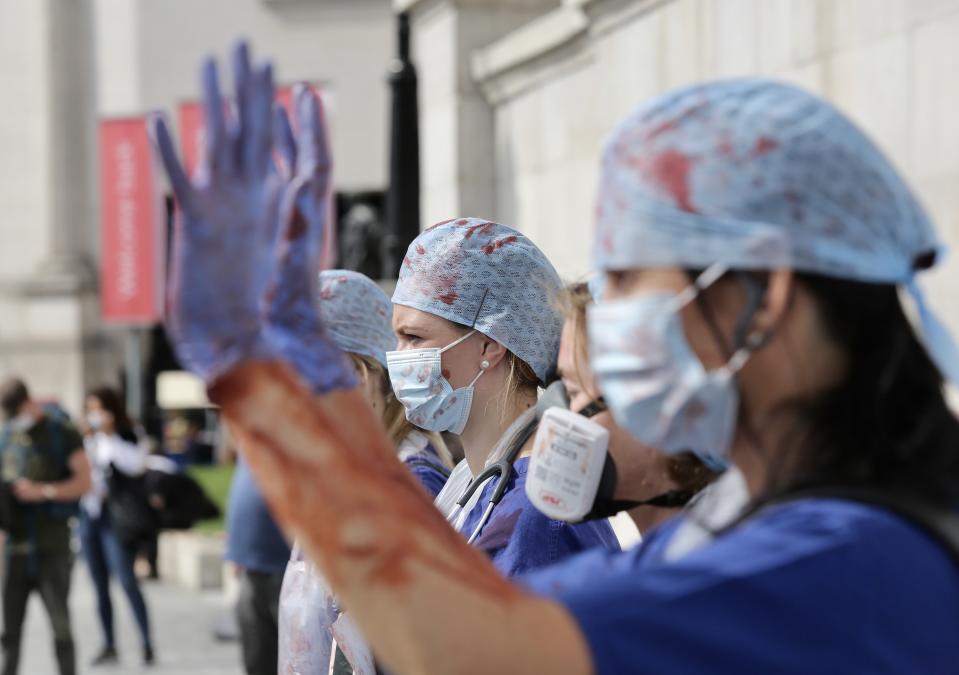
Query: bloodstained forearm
[(426, 601)]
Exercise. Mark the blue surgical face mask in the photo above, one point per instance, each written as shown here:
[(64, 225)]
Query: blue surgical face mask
[(431, 402), (654, 384), (95, 419)]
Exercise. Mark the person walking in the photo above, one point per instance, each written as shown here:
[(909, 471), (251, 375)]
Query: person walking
[(45, 471)]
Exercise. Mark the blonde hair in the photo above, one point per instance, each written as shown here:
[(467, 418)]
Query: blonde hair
[(574, 301), (394, 415), (520, 375)]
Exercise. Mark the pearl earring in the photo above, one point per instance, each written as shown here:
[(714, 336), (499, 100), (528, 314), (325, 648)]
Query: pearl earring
[(484, 365)]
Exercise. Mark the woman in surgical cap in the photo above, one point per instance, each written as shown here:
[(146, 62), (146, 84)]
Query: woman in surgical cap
[(478, 332), (357, 315), (758, 251)]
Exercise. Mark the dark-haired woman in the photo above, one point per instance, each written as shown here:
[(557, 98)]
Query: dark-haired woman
[(112, 445)]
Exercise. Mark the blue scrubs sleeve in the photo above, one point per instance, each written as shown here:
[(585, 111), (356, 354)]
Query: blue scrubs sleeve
[(814, 587), (518, 538), (428, 469)]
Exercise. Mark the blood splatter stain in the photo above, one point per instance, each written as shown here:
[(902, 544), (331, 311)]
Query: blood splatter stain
[(670, 170)]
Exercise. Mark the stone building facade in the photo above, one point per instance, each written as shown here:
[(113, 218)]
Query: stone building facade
[(515, 116)]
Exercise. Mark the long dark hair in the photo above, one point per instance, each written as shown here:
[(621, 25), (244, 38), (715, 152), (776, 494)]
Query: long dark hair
[(113, 403), (887, 424)]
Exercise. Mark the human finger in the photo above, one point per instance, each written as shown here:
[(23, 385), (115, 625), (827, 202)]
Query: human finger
[(244, 87), (163, 141), (284, 139), (216, 149), (258, 145), (312, 138)]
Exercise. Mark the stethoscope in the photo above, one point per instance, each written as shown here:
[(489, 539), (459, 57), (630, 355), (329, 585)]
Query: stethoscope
[(500, 471)]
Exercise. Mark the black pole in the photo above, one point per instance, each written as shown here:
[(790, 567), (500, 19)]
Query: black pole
[(403, 198)]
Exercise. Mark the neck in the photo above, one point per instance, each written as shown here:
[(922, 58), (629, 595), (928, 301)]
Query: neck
[(759, 450), (648, 517), (480, 435)]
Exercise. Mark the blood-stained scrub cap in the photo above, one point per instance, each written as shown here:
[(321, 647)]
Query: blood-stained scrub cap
[(758, 174), (492, 278), (356, 314)]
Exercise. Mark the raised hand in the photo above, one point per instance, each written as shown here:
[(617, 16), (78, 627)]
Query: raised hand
[(249, 234), (226, 226)]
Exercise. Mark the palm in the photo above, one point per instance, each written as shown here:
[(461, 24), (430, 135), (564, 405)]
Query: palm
[(248, 239), (221, 263)]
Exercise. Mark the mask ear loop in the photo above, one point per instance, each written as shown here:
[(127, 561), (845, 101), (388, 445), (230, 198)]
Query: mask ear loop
[(755, 291), (483, 366), (456, 342), (754, 341), (709, 276)]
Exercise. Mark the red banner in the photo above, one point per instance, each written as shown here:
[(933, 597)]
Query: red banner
[(133, 225)]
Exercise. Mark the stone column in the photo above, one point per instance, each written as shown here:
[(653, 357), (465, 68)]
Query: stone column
[(70, 93), (47, 195)]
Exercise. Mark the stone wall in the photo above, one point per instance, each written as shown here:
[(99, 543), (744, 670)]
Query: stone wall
[(148, 53), (47, 197), (557, 87)]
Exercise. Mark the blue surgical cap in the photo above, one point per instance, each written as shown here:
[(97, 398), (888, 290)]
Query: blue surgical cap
[(758, 174), (489, 277), (356, 314)]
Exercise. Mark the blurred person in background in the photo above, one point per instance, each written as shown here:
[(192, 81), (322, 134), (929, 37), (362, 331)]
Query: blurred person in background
[(259, 553), (45, 472), (112, 447)]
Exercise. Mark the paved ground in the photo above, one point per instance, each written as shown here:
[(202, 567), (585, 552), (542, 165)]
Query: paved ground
[(182, 626)]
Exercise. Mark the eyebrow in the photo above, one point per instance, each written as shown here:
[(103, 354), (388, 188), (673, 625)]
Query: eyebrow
[(407, 327)]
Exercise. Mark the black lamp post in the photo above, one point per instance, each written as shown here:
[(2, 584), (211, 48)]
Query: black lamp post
[(403, 198)]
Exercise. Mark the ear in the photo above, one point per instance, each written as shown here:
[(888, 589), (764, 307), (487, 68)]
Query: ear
[(776, 302), (492, 352)]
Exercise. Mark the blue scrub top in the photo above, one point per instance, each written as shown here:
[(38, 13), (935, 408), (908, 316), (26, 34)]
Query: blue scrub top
[(518, 538), (427, 467), (813, 586)]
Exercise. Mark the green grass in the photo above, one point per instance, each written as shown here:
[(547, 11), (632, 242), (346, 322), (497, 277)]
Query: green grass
[(215, 481)]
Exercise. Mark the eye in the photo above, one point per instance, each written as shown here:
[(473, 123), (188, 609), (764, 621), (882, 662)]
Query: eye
[(407, 338)]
